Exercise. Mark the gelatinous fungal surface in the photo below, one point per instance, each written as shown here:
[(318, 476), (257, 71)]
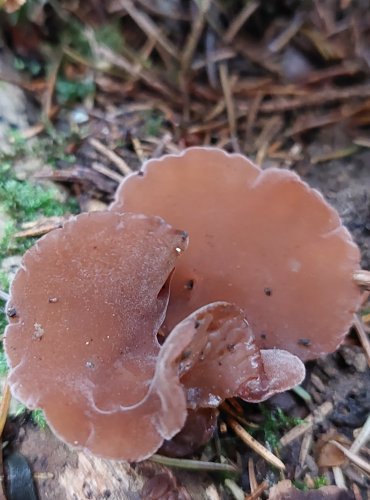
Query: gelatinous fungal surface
[(263, 240), (221, 359), (198, 429), (89, 300), (82, 344)]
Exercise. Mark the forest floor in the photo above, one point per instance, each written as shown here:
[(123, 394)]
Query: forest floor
[(88, 92)]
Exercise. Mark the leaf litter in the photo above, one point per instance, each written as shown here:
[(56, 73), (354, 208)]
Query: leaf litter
[(288, 85)]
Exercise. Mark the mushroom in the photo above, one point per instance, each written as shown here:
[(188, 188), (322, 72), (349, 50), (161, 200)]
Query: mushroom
[(88, 303), (221, 360), (197, 431), (260, 239), (89, 300)]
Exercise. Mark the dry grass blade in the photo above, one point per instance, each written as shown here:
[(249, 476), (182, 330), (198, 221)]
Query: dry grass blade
[(320, 414), (305, 448), (362, 438), (362, 278), (239, 20), (237, 415), (184, 463), (334, 155), (148, 77), (355, 459), (48, 98), (362, 141), (284, 38), (43, 476), (226, 88), (38, 128), (138, 149), (4, 407), (255, 445), (194, 36), (111, 155), (102, 169), (258, 491), (252, 116), (268, 132), (252, 475), (364, 339), (4, 296), (149, 27), (339, 477), (41, 226), (235, 490)]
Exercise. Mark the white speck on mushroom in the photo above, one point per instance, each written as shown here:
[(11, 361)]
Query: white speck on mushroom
[(38, 332), (295, 265)]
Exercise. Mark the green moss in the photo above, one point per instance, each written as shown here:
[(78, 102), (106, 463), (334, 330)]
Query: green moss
[(275, 424), (319, 482), (27, 201), (9, 245), (30, 66), (153, 124), (50, 149), (4, 285), (73, 90), (38, 418), (110, 34), (300, 485), (24, 201)]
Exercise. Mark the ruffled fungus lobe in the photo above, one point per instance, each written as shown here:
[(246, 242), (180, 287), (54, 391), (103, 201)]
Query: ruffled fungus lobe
[(263, 240), (82, 344), (89, 301), (220, 359)]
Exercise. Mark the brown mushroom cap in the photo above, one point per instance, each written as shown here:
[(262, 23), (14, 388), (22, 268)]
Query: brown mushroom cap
[(220, 359), (82, 344), (281, 372), (263, 240), (197, 431), (89, 300)]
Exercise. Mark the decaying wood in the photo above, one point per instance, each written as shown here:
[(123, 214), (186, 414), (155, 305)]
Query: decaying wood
[(63, 473)]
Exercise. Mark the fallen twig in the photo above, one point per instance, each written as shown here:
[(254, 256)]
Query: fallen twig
[(362, 335), (111, 155), (355, 459), (316, 417), (255, 445), (184, 463)]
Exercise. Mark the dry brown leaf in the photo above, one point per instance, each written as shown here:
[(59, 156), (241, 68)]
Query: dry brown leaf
[(328, 455)]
